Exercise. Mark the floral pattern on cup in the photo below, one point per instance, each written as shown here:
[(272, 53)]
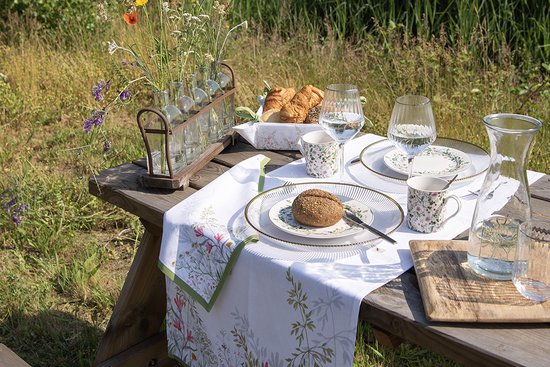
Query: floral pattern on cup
[(321, 154), (427, 204)]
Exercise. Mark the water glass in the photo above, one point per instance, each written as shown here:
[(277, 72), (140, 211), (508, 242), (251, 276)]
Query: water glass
[(341, 116), (412, 126), (531, 270)]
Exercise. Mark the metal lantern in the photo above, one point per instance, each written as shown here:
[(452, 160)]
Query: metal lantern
[(170, 160)]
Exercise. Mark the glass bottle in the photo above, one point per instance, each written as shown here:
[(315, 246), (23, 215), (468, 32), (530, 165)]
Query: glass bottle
[(208, 81), (184, 99), (201, 99), (165, 101), (503, 202)]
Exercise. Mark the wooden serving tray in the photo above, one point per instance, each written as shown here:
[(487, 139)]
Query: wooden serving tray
[(451, 291)]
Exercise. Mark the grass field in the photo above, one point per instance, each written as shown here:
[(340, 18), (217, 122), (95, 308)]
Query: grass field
[(62, 266)]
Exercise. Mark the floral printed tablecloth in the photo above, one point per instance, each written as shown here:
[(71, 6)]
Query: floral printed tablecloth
[(264, 304)]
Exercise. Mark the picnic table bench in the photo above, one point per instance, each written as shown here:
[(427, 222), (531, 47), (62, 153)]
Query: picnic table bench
[(134, 337)]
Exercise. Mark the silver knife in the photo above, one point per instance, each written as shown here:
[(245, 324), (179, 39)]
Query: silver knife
[(358, 221)]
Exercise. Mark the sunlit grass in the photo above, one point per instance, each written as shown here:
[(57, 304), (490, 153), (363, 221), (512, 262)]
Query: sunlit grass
[(61, 269)]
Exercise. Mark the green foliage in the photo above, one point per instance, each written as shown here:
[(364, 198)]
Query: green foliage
[(54, 14), (11, 102)]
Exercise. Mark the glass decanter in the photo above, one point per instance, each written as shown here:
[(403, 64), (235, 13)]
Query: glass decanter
[(503, 202)]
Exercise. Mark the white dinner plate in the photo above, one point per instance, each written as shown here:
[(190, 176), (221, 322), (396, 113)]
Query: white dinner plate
[(437, 161), (281, 216)]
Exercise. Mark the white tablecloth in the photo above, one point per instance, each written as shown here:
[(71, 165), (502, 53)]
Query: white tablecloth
[(264, 304)]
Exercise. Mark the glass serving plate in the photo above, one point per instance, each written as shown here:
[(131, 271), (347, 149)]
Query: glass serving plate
[(372, 157), (387, 214)]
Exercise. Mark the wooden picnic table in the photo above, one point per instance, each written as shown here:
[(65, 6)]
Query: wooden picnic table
[(134, 338)]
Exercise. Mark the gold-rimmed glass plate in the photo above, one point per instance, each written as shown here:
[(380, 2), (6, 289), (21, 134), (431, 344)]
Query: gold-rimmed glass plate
[(387, 214)]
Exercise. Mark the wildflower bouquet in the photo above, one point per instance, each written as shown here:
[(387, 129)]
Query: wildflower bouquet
[(167, 41)]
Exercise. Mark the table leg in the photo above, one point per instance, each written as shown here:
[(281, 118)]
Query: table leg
[(386, 339), (139, 312)]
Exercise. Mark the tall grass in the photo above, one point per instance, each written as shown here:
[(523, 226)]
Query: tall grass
[(486, 25), (62, 267)]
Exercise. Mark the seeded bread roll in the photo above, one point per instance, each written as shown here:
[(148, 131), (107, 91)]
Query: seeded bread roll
[(317, 208)]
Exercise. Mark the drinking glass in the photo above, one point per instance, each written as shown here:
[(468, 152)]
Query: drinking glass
[(531, 270), (412, 126), (341, 115)]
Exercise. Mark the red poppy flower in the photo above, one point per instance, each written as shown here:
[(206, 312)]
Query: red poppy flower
[(130, 18)]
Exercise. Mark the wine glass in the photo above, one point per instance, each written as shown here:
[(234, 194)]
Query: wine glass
[(412, 126), (341, 115)]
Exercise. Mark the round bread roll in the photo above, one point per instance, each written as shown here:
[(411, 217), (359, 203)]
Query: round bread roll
[(317, 208)]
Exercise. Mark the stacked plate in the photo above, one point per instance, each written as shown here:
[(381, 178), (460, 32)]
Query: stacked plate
[(445, 158), (270, 214)]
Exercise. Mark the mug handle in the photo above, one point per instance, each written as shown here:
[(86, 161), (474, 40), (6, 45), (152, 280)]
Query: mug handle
[(300, 145), (454, 197)]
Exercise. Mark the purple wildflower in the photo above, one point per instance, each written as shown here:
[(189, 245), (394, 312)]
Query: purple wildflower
[(19, 210), (16, 215), (97, 90), (95, 120), (10, 203), (124, 95)]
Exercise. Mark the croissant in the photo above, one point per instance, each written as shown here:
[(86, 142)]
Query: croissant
[(296, 110), (278, 97)]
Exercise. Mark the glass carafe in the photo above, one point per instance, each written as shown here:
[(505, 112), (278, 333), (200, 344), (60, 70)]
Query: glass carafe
[(503, 202)]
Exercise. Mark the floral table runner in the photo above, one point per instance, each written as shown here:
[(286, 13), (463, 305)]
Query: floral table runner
[(264, 304)]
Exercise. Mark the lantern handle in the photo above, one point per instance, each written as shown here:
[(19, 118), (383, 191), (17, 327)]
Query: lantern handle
[(231, 71), (165, 131)]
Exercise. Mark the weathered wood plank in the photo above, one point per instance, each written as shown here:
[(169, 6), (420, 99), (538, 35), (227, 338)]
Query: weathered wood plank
[(10, 359), (541, 188), (141, 306), (453, 292), (239, 152), (120, 186), (397, 309), (152, 351), (208, 174)]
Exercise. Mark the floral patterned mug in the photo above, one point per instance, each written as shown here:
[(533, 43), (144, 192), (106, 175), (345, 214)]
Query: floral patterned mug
[(321, 154), (427, 203)]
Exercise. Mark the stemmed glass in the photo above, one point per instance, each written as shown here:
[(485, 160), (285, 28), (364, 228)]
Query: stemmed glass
[(341, 115), (412, 126)]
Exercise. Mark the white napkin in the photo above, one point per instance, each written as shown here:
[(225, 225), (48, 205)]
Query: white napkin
[(203, 235)]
